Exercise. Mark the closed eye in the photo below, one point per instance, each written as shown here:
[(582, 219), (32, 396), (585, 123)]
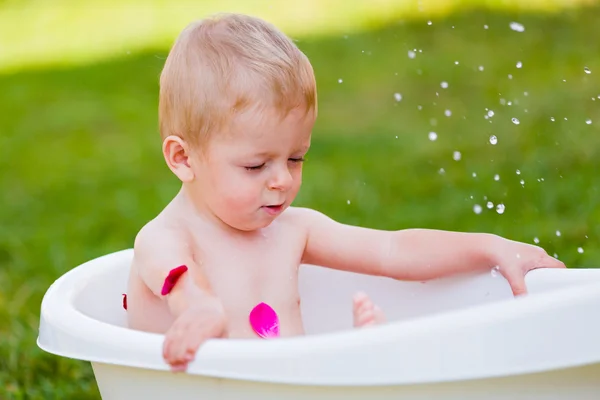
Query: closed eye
[(297, 160), (255, 167)]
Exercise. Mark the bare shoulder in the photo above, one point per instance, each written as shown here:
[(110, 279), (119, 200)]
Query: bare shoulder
[(302, 216), (160, 240)]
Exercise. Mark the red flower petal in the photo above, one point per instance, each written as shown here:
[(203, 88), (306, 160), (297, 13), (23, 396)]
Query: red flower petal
[(172, 279), (264, 321), (125, 301)]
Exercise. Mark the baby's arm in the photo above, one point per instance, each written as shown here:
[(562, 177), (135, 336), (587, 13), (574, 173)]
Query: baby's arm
[(416, 254), (198, 313)]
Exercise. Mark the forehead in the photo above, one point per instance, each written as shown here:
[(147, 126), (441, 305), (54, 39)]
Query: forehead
[(264, 130)]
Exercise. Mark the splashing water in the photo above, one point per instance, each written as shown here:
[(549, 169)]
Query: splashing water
[(517, 27), (587, 70), (447, 113), (490, 113), (444, 85), (588, 121), (522, 182), (456, 156), (516, 121), (500, 208), (495, 271), (433, 136), (397, 96), (518, 172), (580, 250), (490, 205), (477, 209), (519, 64), (552, 119), (496, 177), (536, 240), (493, 140), (411, 54)]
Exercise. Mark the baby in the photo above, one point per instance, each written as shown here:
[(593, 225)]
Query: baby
[(237, 107)]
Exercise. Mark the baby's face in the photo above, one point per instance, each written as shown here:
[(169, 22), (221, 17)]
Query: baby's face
[(249, 176)]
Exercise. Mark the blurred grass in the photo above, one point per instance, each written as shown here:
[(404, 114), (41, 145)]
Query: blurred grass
[(38, 33), (81, 169)]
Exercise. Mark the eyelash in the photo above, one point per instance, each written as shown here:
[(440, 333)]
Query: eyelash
[(257, 167)]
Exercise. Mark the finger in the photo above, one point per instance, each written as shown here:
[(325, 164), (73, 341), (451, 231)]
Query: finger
[(552, 262), (517, 284)]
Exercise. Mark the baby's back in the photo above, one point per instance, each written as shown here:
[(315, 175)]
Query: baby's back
[(242, 269)]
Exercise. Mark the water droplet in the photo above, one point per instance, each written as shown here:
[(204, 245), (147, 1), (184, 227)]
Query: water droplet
[(474, 174), (481, 68), (444, 85), (522, 182), (456, 156), (493, 139), (442, 171), (347, 201), (485, 27), (477, 209), (419, 107), (536, 240), (587, 70), (455, 62), (555, 255), (519, 64), (447, 113), (490, 205), (340, 81), (429, 22), (509, 76), (496, 177), (433, 136), (552, 119), (495, 271), (557, 233), (517, 27), (518, 172), (500, 208), (580, 250), (411, 54), (510, 103), (397, 96), (490, 113), (516, 121), (525, 94), (503, 101), (588, 121)]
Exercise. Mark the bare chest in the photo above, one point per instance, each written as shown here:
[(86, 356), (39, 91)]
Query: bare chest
[(244, 273)]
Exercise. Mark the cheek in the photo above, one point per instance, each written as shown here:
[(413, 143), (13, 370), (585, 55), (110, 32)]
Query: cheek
[(234, 189)]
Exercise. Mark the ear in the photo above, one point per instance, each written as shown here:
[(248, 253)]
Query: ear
[(176, 153)]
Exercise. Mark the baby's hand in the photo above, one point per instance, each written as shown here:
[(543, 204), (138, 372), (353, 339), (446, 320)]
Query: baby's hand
[(196, 324), (515, 259)]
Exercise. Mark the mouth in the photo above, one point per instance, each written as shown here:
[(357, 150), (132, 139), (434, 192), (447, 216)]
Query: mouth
[(273, 209)]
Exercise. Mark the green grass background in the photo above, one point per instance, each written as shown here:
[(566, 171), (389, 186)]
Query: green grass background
[(81, 169)]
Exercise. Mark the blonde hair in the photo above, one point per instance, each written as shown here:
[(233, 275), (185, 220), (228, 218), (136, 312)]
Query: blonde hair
[(227, 64)]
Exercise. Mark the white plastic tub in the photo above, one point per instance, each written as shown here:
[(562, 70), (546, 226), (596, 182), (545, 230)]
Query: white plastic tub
[(457, 338)]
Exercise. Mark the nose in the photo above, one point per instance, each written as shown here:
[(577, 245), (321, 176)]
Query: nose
[(281, 180)]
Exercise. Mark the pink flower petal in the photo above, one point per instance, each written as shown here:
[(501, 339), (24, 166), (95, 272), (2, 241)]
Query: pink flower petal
[(264, 321), (172, 279)]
